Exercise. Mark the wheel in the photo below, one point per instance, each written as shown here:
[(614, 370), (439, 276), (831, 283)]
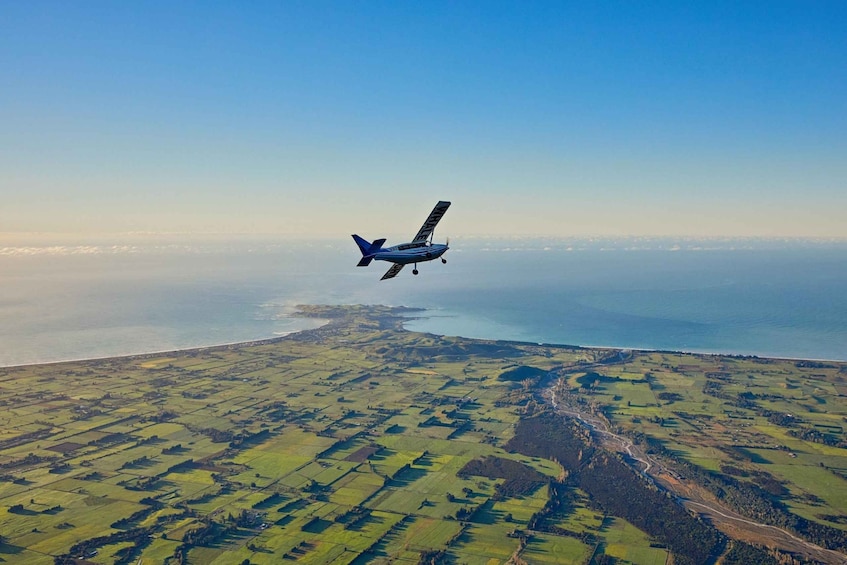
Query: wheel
[(443, 260), (415, 272)]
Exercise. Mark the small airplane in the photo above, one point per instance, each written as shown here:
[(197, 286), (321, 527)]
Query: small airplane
[(418, 250)]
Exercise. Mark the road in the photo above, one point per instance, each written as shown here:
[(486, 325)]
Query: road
[(693, 496)]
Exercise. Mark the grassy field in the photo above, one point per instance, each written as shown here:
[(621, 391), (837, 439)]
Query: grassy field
[(776, 423), (343, 445)]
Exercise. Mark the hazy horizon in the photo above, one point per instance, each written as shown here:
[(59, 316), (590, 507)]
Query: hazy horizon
[(763, 297), (24, 243)]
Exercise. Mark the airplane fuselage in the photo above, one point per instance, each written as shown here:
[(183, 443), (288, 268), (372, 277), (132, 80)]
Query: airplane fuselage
[(407, 253), (419, 250)]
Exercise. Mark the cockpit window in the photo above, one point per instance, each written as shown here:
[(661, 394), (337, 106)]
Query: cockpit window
[(410, 246)]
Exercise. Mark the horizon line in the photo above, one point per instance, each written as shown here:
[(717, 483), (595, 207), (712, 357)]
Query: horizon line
[(475, 235)]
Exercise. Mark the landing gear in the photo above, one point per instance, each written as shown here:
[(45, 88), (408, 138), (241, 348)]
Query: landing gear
[(414, 271), (443, 260)]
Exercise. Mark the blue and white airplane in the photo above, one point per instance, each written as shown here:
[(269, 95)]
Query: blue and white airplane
[(416, 251)]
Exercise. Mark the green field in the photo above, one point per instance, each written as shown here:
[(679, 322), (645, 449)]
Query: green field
[(344, 444), (770, 422)]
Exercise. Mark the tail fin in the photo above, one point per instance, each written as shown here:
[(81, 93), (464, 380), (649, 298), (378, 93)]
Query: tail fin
[(368, 249)]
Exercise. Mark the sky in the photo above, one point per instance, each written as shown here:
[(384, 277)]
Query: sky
[(327, 118)]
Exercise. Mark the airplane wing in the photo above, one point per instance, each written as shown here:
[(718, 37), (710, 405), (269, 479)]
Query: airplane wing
[(392, 272), (430, 223)]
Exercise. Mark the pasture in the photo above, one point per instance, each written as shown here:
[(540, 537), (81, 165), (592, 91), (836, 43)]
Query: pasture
[(343, 445)]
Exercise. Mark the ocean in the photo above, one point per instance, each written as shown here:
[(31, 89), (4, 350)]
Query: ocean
[(99, 297)]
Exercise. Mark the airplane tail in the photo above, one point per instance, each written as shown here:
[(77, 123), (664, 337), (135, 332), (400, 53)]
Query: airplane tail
[(368, 249)]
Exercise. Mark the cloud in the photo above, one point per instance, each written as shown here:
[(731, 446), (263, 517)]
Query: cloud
[(26, 251)]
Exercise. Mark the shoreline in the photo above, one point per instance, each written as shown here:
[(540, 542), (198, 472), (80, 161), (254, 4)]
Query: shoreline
[(249, 342), (639, 349), (403, 321)]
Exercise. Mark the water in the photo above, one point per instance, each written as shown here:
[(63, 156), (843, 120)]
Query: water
[(771, 302), (75, 300)]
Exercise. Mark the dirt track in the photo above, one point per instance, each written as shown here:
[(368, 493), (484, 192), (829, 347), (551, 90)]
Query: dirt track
[(698, 499)]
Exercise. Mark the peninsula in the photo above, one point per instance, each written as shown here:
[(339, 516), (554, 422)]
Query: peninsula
[(361, 442)]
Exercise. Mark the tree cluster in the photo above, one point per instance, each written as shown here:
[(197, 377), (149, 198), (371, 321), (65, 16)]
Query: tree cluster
[(741, 553), (520, 480), (616, 488), (138, 536)]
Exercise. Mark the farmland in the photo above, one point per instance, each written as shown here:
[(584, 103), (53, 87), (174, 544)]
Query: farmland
[(766, 430), (362, 442)]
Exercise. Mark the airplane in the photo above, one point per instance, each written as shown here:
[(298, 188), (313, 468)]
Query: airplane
[(419, 250)]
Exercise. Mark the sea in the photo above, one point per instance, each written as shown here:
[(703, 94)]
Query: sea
[(67, 298)]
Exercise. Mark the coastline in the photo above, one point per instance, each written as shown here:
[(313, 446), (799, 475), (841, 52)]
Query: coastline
[(713, 352), (405, 316), (156, 353), (783, 303)]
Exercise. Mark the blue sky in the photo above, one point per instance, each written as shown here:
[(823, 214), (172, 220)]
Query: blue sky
[(324, 118)]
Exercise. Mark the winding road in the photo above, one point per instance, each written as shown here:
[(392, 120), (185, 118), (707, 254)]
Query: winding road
[(694, 497)]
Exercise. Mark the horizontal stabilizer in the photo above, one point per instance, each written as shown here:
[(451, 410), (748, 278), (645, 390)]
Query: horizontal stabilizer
[(368, 249)]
